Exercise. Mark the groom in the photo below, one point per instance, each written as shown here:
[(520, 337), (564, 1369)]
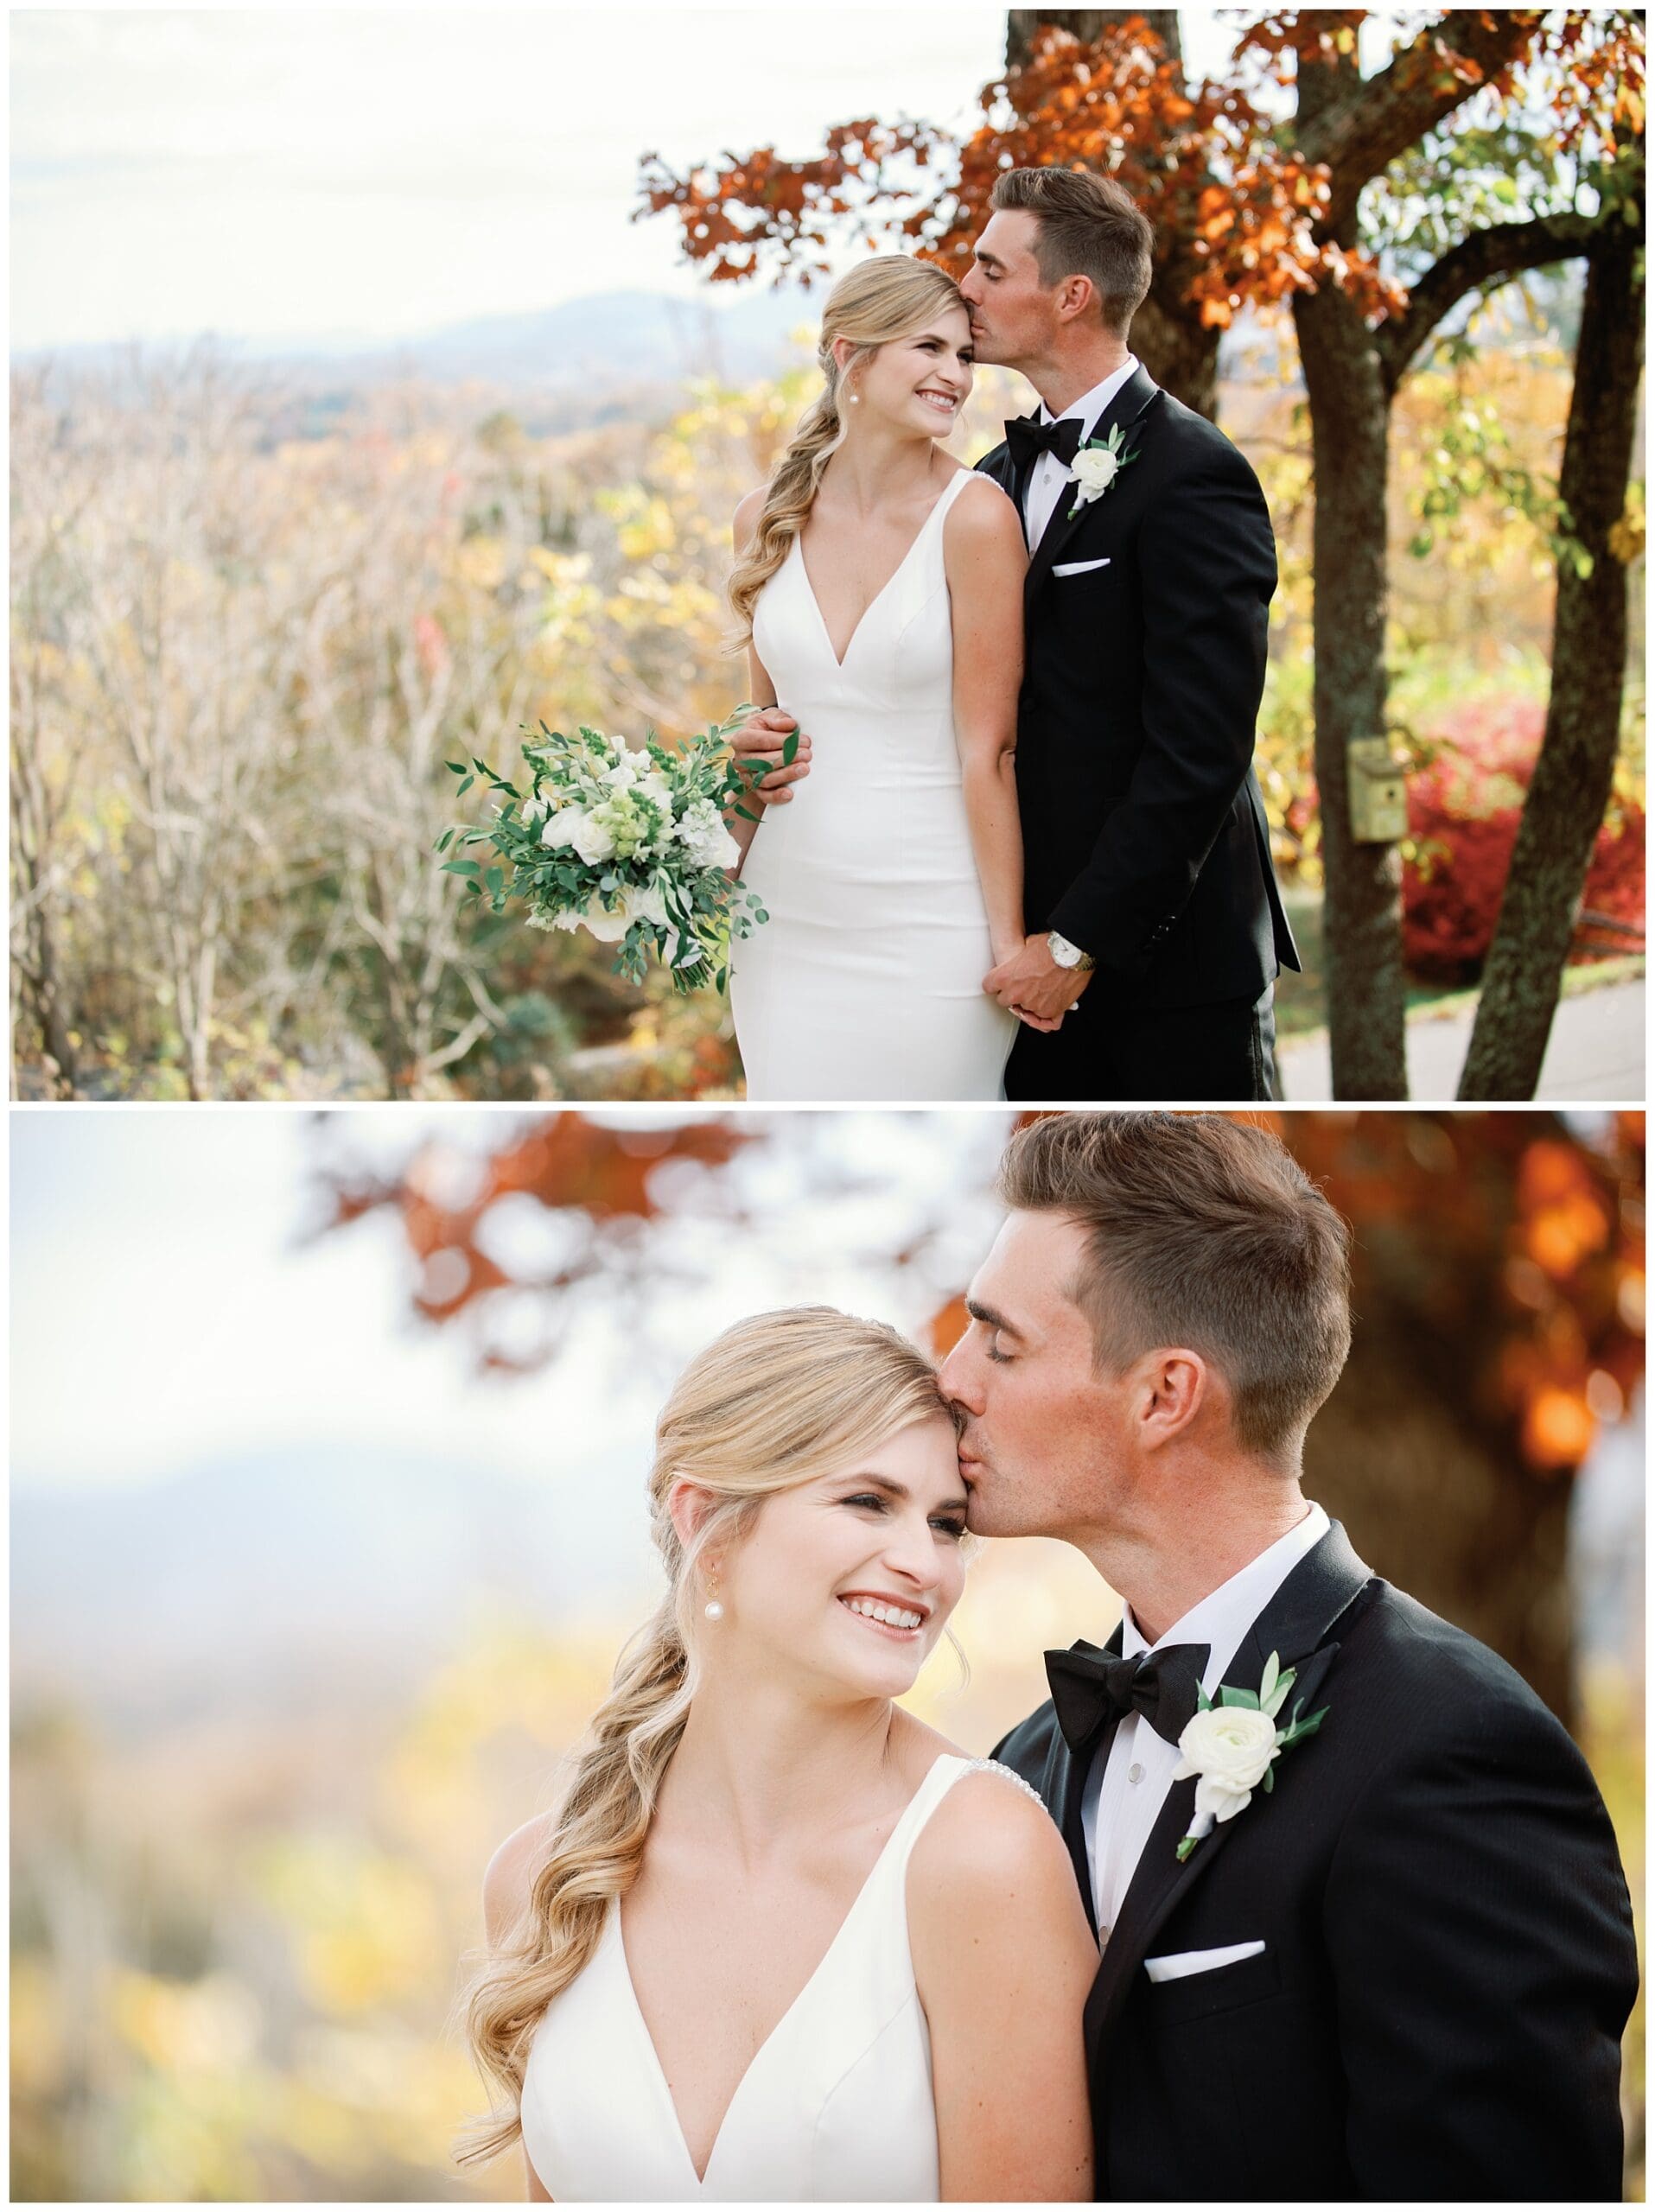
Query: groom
[(1402, 1971), (1149, 893)]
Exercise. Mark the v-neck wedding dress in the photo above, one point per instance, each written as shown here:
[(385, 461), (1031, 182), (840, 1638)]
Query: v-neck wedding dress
[(866, 982), (836, 2105)]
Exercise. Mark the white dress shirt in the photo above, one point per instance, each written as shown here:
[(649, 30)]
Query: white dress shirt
[(1124, 1794), (1049, 476)]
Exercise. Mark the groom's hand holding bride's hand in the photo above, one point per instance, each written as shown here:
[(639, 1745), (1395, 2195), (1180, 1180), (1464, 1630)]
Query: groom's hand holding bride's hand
[(760, 739), (1033, 985)]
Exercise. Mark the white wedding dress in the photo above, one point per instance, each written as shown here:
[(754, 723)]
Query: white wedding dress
[(836, 2105), (867, 981)]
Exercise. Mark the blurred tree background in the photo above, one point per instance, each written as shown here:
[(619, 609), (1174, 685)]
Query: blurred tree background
[(237, 1922), (248, 626)]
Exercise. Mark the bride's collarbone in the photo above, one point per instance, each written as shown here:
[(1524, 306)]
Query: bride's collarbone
[(852, 556)]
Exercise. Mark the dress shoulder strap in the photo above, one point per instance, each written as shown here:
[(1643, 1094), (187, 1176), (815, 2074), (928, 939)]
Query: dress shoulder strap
[(951, 492), (944, 1774)]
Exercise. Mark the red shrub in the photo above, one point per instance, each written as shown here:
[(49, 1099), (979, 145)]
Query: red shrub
[(1463, 810)]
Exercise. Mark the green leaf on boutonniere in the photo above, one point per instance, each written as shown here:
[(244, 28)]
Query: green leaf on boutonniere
[(1246, 1699), (1272, 1675), (1273, 1701), (1296, 1729), (1203, 1703)]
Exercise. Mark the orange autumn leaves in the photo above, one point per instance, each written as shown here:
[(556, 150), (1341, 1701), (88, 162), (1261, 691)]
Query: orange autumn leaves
[(1240, 219), (564, 1162), (1577, 1265), (1235, 214), (1508, 1247), (1518, 1248)]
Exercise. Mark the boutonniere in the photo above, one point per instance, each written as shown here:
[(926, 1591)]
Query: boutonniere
[(1231, 1746), (1097, 465)]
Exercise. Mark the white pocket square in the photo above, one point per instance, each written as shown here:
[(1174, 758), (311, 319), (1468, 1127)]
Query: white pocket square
[(1078, 568), (1177, 1964)]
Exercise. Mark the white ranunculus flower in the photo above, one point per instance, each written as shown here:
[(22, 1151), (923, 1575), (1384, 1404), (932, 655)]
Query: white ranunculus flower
[(1230, 1748), (534, 809), (1094, 469)]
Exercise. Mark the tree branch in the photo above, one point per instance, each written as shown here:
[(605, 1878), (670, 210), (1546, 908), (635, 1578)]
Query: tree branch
[(1376, 120), (1500, 250)]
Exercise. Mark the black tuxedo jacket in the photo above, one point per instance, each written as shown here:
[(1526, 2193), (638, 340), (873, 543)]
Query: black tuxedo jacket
[(1144, 832), (1448, 1960)]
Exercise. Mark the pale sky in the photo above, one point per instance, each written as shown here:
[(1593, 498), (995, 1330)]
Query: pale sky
[(376, 172), (165, 1312)]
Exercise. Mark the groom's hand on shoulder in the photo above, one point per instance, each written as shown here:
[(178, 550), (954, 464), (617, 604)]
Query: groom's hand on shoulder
[(760, 738)]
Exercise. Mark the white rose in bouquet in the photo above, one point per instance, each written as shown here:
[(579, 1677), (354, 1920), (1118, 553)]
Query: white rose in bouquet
[(591, 838), (609, 925)]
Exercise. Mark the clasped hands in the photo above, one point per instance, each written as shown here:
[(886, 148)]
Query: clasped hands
[(1027, 981)]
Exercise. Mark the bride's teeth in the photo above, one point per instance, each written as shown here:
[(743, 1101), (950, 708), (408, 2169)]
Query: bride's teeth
[(892, 1616)]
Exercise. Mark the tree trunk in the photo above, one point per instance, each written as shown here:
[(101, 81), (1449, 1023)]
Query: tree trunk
[(1572, 778), (1182, 358), (1168, 335), (1438, 1503), (1350, 433), (1085, 24)]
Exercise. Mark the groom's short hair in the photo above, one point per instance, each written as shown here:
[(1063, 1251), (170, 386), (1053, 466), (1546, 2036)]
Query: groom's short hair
[(1088, 226), (1204, 1232)]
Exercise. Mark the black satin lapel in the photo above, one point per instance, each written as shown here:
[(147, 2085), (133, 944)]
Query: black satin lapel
[(1319, 1589), (1128, 404), (1064, 1783), (1156, 1872), (1062, 1786), (1000, 466)]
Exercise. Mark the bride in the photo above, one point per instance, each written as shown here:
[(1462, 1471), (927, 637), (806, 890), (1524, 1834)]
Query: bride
[(783, 1941), (879, 583)]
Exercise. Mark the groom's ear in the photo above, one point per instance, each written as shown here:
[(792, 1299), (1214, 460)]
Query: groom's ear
[(1174, 1386)]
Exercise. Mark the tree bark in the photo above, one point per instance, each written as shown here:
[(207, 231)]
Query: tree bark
[(1168, 335), (1085, 24), (1350, 440), (1570, 788), (1437, 1501)]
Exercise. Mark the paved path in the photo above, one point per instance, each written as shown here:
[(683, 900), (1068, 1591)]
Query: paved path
[(1596, 1051)]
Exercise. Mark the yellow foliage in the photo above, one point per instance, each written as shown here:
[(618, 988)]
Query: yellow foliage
[(481, 563), (39, 2047), (210, 2026), (365, 1925)]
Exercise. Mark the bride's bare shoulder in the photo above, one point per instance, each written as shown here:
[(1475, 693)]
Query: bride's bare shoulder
[(747, 515), (983, 518), (510, 1875)]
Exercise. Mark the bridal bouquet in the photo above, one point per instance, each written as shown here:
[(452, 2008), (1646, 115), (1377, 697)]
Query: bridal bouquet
[(632, 846)]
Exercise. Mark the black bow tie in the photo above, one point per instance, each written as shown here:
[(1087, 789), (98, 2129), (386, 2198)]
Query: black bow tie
[(1092, 1688), (1028, 437)]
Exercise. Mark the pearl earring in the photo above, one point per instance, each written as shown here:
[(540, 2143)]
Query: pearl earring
[(713, 1609), (856, 399)]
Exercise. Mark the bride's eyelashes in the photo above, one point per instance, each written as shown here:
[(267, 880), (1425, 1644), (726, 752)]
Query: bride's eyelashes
[(866, 1498)]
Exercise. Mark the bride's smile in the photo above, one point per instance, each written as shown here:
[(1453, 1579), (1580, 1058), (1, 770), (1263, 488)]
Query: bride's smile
[(877, 1543)]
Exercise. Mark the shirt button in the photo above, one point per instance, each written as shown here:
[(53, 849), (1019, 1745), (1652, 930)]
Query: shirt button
[(1135, 1772)]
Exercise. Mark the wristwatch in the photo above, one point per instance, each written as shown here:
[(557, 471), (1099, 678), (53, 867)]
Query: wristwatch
[(1067, 955)]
